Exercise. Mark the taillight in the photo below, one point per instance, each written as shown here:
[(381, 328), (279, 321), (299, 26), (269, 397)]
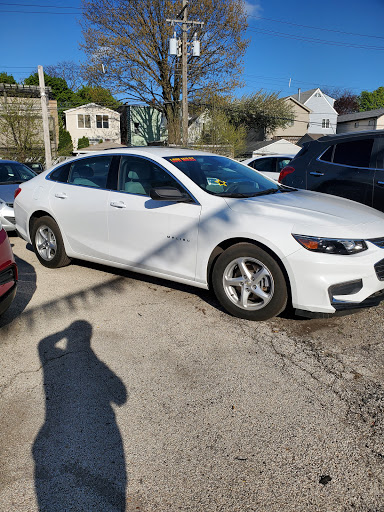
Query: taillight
[(17, 192), (285, 171)]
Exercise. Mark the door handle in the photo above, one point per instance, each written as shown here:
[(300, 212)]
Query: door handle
[(118, 204), (314, 173), (61, 195)]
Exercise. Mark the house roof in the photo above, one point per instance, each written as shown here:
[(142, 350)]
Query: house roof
[(368, 114), (279, 146), (295, 100), (308, 137), (304, 95), (100, 147), (90, 105)]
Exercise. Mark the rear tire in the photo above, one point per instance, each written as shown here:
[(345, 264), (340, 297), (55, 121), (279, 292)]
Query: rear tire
[(48, 243), (249, 283)]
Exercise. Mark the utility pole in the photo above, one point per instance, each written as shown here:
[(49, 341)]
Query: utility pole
[(44, 110), (185, 27), (184, 73)]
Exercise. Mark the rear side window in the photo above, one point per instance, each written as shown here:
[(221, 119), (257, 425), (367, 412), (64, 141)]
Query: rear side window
[(90, 172), (328, 155), (265, 164), (60, 174), (356, 153)]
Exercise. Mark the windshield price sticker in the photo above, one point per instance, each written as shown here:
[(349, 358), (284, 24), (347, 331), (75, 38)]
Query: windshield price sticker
[(183, 159)]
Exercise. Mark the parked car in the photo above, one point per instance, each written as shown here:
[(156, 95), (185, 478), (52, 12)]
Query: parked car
[(349, 165), (35, 166), (207, 221), (270, 165), (11, 175), (8, 272)]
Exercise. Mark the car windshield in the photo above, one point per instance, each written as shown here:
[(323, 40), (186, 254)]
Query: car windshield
[(224, 177), (14, 172)]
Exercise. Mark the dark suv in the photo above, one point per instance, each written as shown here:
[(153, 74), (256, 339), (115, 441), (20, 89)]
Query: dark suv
[(349, 165)]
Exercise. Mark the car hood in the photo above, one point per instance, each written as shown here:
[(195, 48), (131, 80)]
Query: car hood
[(7, 192), (315, 214)]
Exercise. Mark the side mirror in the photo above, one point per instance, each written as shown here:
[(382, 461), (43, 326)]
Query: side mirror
[(169, 194)]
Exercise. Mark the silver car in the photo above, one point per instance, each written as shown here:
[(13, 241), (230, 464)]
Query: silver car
[(11, 175)]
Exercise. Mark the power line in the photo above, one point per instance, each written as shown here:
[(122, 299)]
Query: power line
[(38, 5), (39, 12), (316, 28), (314, 40)]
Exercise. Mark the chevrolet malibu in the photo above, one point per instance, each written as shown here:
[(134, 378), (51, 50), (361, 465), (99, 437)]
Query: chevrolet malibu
[(207, 221)]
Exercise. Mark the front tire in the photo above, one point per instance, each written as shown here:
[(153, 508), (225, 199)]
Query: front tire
[(249, 283), (48, 243)]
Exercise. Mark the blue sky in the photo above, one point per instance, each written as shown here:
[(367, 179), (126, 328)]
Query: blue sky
[(307, 44)]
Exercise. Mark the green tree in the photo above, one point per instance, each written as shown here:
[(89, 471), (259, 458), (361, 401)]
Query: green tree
[(6, 79), (99, 95), (60, 90), (127, 44), (259, 111), (83, 142), (220, 135), (371, 100)]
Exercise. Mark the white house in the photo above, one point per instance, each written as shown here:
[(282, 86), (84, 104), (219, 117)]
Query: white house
[(93, 121), (323, 117)]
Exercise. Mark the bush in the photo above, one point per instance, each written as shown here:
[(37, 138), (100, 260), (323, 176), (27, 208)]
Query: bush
[(65, 142), (83, 143)]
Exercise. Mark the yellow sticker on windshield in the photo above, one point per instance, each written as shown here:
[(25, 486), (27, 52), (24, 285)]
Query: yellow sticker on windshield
[(220, 182)]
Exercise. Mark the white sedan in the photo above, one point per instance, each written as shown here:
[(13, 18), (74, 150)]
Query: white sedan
[(269, 165), (207, 221)]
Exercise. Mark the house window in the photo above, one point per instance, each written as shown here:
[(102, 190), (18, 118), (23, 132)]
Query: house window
[(102, 121), (136, 127), (83, 121), (325, 123), (357, 124), (371, 122), (318, 95)]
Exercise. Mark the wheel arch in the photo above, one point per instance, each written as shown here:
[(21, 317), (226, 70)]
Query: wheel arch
[(37, 215), (225, 244)]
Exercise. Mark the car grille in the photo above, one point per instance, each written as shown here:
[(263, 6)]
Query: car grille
[(379, 268), (377, 241), (10, 219)]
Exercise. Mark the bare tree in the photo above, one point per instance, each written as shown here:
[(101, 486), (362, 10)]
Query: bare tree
[(346, 102), (70, 71), (127, 47), (20, 129)]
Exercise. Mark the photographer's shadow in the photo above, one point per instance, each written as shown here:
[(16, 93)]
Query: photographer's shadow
[(78, 453)]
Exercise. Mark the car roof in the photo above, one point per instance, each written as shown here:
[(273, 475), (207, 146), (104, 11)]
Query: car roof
[(351, 135), (284, 155), (9, 162), (157, 151)]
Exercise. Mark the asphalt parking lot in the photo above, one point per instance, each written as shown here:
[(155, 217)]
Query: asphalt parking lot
[(121, 392)]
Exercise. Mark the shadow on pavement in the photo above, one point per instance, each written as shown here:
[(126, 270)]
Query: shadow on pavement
[(78, 453)]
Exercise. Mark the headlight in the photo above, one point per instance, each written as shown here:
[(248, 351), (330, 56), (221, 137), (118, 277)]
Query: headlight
[(331, 245)]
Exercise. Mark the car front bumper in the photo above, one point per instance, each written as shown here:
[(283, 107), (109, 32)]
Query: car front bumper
[(326, 283), (7, 217)]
